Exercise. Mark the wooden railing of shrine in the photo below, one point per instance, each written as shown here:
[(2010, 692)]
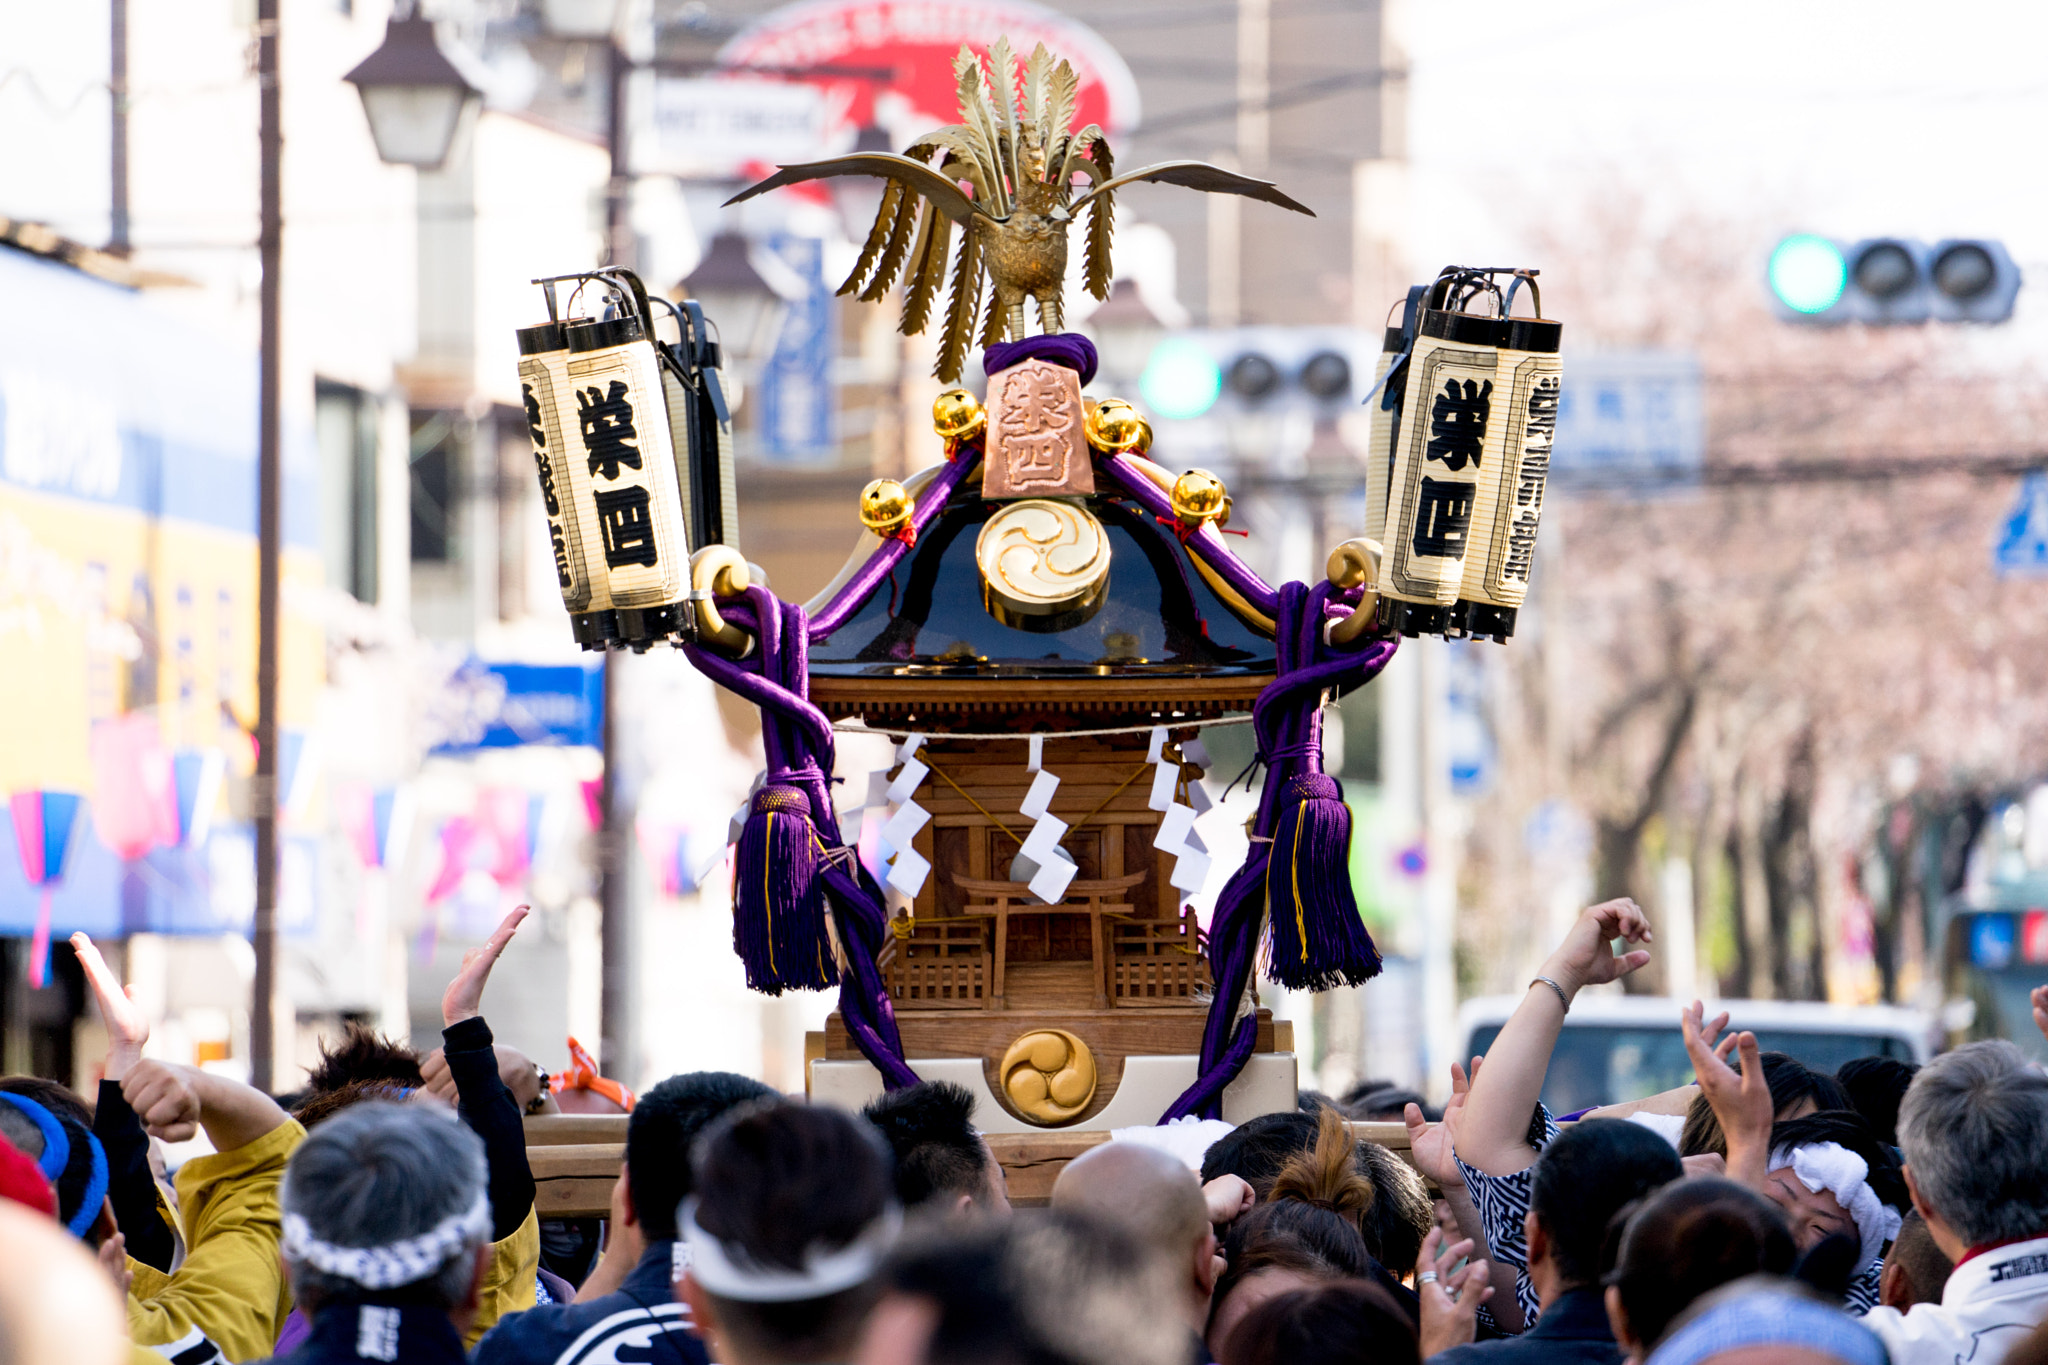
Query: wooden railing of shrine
[(943, 965), (1155, 963)]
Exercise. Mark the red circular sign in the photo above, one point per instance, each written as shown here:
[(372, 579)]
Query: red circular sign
[(902, 50)]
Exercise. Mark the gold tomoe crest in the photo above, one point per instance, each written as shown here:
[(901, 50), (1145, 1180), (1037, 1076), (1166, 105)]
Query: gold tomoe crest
[(1016, 150)]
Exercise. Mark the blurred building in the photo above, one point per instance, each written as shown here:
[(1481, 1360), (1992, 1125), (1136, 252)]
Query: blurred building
[(439, 723)]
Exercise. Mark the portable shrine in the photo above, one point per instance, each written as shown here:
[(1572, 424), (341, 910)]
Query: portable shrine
[(1043, 622)]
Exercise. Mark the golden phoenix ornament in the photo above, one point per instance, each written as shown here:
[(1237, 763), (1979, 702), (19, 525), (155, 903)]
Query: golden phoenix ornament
[(1017, 152)]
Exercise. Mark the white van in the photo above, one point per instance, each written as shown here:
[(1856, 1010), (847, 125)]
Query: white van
[(1623, 1047)]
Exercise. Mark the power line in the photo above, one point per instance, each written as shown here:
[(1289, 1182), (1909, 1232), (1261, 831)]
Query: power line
[(1642, 479)]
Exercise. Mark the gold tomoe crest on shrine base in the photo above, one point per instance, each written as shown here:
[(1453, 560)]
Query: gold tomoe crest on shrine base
[(1037, 445)]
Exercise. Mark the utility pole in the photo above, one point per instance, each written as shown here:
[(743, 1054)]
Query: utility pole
[(269, 508), (615, 1047), (118, 242)]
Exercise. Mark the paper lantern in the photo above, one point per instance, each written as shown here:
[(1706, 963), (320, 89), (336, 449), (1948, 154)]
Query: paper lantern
[(42, 832), (543, 376), (1448, 447), (633, 446), (1528, 380)]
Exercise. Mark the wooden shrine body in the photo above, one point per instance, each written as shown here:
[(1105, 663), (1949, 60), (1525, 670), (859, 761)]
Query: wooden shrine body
[(981, 964)]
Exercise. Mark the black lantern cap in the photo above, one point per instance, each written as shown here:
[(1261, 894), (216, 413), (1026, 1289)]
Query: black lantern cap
[(410, 55)]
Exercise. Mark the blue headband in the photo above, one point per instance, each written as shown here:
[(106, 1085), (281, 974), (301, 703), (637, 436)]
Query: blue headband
[(1771, 1318), (57, 1155)]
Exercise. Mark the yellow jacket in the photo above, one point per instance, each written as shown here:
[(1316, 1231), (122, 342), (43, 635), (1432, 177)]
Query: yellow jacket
[(231, 1286), (508, 1280)]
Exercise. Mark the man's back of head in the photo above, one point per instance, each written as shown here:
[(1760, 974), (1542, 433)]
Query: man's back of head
[(1147, 1192), (1974, 1131), (386, 1204), (1059, 1289), (664, 1129), (1586, 1175), (1915, 1269), (941, 1161), (793, 1214)]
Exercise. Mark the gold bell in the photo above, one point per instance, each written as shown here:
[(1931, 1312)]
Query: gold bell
[(1114, 425), (885, 507), (1199, 497), (958, 415)]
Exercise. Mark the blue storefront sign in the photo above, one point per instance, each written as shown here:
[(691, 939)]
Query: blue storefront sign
[(503, 706)]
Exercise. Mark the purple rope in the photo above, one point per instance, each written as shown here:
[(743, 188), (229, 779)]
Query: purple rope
[(853, 595), (1070, 349), (1206, 542), (1289, 731), (797, 738)]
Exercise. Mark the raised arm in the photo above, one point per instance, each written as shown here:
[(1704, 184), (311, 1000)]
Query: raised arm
[(230, 1286), (486, 1104), (1742, 1103), (1493, 1131), (130, 1186)]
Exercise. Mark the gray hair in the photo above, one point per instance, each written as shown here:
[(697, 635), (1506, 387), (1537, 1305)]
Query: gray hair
[(378, 1176), (1974, 1131)]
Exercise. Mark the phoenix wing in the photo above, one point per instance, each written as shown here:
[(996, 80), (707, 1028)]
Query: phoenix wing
[(941, 193), (1199, 175)]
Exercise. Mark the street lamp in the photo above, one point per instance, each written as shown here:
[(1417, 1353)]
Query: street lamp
[(741, 297), (412, 94)]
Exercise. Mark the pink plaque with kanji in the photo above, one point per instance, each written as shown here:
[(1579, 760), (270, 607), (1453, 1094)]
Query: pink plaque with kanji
[(1036, 446)]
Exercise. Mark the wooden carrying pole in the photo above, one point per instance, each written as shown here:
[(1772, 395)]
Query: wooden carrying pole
[(576, 1159)]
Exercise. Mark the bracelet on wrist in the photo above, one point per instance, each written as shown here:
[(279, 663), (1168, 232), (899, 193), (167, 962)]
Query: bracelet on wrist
[(1562, 998)]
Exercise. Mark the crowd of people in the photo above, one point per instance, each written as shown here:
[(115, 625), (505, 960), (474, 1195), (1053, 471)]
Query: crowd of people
[(1767, 1214)]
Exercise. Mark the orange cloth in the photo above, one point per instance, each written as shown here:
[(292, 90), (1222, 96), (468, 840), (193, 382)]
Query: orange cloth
[(581, 1074)]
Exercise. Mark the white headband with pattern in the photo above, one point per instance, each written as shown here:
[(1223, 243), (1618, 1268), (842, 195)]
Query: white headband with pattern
[(394, 1263), (729, 1273)]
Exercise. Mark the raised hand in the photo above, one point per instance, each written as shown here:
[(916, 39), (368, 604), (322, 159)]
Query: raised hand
[(1742, 1102), (2039, 997), (127, 1029), (1450, 1298), (1433, 1146), (1585, 958), (165, 1097), (465, 994), (1228, 1196)]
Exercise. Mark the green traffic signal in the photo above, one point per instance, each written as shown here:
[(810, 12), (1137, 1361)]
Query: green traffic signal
[(1181, 380), (1808, 273)]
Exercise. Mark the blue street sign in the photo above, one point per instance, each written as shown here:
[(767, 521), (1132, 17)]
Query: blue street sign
[(1627, 416), (797, 397), (2023, 545), (502, 706), (1991, 942)]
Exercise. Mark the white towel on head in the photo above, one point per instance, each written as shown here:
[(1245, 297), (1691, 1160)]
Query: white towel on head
[(1832, 1167), (1670, 1127), (1187, 1138)]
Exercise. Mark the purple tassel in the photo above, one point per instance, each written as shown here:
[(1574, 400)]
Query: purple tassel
[(1318, 940), (778, 900)]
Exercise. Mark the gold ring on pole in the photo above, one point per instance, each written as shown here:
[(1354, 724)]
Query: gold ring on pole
[(719, 571), (1356, 563)]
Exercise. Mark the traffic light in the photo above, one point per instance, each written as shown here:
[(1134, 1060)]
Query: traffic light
[(1325, 370), (1891, 280)]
